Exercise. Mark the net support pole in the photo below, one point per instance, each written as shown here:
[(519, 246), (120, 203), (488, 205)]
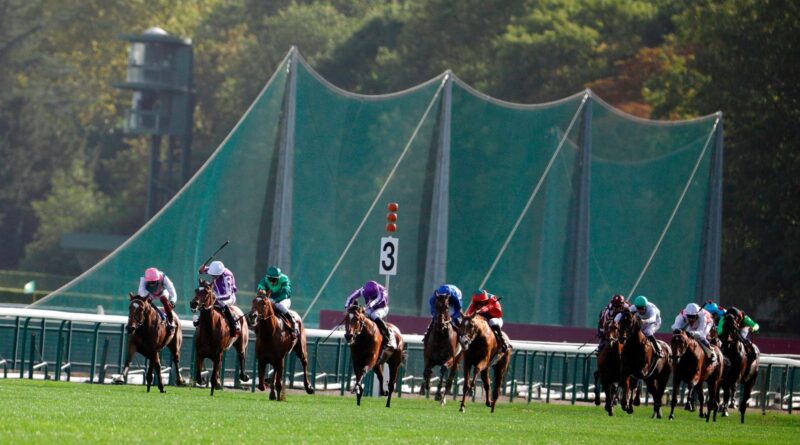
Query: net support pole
[(436, 256), (575, 313), (280, 239), (708, 283)]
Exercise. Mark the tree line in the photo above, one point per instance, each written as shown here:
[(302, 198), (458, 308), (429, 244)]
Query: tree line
[(67, 167)]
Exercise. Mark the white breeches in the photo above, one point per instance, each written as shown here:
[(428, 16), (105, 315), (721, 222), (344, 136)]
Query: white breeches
[(496, 322), (283, 306), (378, 313), (650, 329)]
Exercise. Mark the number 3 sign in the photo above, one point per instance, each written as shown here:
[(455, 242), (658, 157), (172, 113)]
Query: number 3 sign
[(388, 264)]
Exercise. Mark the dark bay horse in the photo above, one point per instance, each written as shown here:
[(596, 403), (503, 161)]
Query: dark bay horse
[(481, 351), (740, 368), (365, 339), (640, 362), (440, 349), (608, 366), (148, 335), (691, 366), (273, 344), (213, 336)]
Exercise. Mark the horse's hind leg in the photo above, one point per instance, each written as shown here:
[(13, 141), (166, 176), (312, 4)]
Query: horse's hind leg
[(215, 373), (156, 365), (175, 350), (379, 374), (426, 379), (499, 373), (439, 396), (277, 382), (394, 367), (302, 354), (748, 388), (241, 349)]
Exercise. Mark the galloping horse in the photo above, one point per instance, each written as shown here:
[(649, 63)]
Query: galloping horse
[(693, 367), (273, 344), (608, 366), (213, 336), (365, 339), (742, 369), (639, 361), (148, 335), (481, 351), (440, 349)]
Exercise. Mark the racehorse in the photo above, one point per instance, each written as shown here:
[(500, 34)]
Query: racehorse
[(481, 351), (273, 344), (213, 335), (743, 368), (693, 367), (440, 349), (640, 362), (148, 335), (364, 339), (608, 366)]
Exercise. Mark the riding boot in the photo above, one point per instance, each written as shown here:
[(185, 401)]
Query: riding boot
[(388, 339), (708, 351), (168, 311), (654, 342), (289, 320), (427, 331), (601, 344), (748, 346), (235, 330), (500, 339)]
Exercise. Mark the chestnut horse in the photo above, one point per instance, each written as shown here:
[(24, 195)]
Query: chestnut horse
[(608, 366), (440, 349), (693, 367), (741, 367), (481, 351), (365, 339), (213, 335), (148, 335), (640, 362), (273, 344)]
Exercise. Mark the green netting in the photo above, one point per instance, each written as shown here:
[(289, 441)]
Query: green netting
[(224, 200), (499, 153), (638, 172), (341, 149)]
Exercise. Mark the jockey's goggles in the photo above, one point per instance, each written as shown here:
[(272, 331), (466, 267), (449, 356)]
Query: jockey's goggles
[(272, 280)]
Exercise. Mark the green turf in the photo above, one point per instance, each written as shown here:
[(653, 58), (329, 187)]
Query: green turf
[(63, 413)]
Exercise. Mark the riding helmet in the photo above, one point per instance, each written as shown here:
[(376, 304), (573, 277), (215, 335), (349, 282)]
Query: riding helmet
[(443, 290), (216, 268), (370, 289), (691, 309), (273, 272), (640, 301)]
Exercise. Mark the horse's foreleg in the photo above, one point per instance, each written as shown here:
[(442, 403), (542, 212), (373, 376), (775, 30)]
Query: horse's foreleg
[(215, 373), (262, 366), (426, 379), (156, 362), (394, 367), (701, 399), (439, 396), (499, 374), (277, 379), (450, 377), (675, 388), (466, 389), (748, 388), (149, 376), (123, 377), (487, 386), (358, 388), (608, 388)]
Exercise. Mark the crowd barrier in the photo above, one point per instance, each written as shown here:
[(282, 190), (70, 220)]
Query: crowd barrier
[(88, 347)]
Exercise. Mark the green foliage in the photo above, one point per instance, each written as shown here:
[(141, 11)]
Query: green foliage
[(67, 413)]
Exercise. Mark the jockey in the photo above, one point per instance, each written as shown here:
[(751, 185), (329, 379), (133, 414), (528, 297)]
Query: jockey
[(156, 284), (376, 298), (614, 307), (698, 323), (650, 318), (715, 310), (225, 288), (453, 295), (488, 306), (279, 288), (746, 324)]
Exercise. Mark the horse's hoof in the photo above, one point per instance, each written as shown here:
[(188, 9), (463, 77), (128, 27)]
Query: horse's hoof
[(422, 391), (703, 415), (309, 390), (244, 378), (180, 382), (597, 401), (671, 417), (119, 381), (462, 409), (488, 404), (163, 391), (636, 401), (724, 414), (272, 396)]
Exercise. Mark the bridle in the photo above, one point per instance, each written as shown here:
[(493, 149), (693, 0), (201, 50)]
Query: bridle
[(467, 332), (354, 317), (259, 310), (442, 312), (135, 320), (209, 299)]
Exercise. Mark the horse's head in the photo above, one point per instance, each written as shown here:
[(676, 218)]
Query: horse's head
[(467, 331), (354, 321), (628, 324), (442, 308), (612, 332), (730, 329), (135, 312), (260, 309), (204, 297), (680, 343)]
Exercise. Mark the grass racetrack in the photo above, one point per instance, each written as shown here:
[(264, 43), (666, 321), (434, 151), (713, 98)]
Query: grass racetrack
[(66, 413)]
